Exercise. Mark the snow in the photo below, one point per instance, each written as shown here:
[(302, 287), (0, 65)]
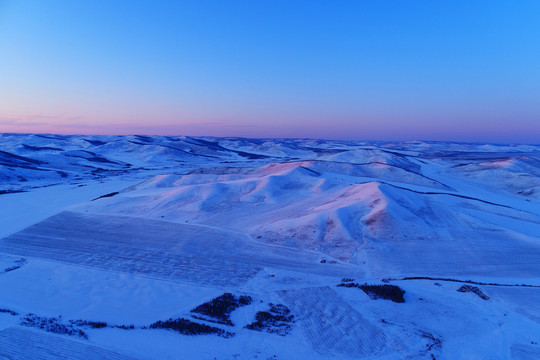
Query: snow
[(281, 221)]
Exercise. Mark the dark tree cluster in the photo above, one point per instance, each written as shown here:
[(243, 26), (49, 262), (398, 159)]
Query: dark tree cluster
[(72, 327), (387, 292), (52, 325), (473, 289), (90, 324), (11, 268), (125, 327), (106, 195), (277, 320), (10, 312), (219, 309), (187, 327), (100, 325), (19, 263), (349, 285)]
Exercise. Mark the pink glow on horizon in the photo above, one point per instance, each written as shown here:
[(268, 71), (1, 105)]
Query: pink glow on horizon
[(338, 130), (385, 124)]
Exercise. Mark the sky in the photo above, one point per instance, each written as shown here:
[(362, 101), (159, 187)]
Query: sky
[(366, 70)]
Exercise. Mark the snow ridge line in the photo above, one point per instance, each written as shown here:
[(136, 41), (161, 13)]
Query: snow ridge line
[(450, 194), (367, 164)]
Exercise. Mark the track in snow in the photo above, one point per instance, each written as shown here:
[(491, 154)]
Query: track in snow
[(157, 249), (23, 344), (331, 325), (151, 248)]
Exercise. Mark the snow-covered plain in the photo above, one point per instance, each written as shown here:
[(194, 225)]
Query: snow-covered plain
[(102, 237)]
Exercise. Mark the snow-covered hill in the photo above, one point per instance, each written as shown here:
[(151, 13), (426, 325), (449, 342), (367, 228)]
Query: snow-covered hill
[(110, 236)]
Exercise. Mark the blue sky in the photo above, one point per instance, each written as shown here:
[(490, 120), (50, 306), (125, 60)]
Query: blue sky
[(393, 70)]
